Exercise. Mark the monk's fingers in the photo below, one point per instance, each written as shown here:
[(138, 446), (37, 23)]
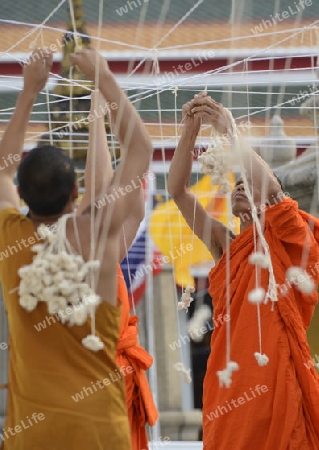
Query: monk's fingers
[(200, 95), (204, 108), (186, 109)]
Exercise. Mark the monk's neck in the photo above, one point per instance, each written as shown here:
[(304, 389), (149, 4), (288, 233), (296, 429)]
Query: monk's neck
[(48, 220), (245, 224)]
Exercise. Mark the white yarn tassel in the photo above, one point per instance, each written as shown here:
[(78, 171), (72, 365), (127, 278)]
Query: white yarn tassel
[(225, 376), (262, 359), (304, 284), (215, 161), (92, 342), (186, 299), (186, 373)]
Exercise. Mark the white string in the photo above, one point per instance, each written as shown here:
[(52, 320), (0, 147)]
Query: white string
[(35, 29)]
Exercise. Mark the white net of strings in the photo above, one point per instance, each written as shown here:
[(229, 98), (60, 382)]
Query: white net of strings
[(242, 36)]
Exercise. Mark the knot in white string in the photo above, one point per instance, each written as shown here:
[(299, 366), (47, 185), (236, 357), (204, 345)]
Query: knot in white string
[(186, 299), (179, 367), (225, 376)]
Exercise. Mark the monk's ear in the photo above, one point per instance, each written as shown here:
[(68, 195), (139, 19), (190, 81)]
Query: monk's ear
[(75, 192), (19, 192)]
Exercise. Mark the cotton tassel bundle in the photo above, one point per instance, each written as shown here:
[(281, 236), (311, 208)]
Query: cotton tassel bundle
[(186, 299), (262, 359), (225, 376), (60, 278), (215, 161), (186, 373), (304, 284), (201, 315)]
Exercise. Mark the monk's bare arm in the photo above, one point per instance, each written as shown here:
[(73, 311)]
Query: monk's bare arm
[(98, 157), (209, 230), (259, 174), (35, 75), (135, 143), (104, 174)]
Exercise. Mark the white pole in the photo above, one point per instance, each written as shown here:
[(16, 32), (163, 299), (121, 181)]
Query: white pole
[(149, 298)]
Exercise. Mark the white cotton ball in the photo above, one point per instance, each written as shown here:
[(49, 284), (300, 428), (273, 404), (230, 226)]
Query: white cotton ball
[(66, 288), (47, 280), (24, 271), (52, 258), (262, 359), (293, 273), (80, 315), (38, 248), (306, 286), (93, 300), (56, 304), (43, 231), (232, 366), (74, 298), (28, 302), (256, 296), (54, 267), (260, 259), (23, 287), (80, 276), (84, 290), (58, 278), (78, 260), (50, 238), (224, 378), (93, 265), (93, 343), (49, 291)]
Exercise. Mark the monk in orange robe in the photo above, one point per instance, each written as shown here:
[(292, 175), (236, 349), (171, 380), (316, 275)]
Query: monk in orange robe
[(62, 395), (274, 406), (129, 354)]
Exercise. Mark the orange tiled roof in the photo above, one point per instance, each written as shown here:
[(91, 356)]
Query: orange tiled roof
[(149, 34)]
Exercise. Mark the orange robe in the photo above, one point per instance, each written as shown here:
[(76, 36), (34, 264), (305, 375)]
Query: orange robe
[(61, 396), (140, 404), (275, 406)]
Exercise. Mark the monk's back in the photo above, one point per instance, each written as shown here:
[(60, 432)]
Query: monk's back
[(77, 394)]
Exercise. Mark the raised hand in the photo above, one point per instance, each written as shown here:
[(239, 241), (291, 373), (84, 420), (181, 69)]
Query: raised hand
[(37, 70), (88, 61), (211, 113)]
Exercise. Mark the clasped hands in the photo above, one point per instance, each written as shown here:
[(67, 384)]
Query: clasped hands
[(203, 110)]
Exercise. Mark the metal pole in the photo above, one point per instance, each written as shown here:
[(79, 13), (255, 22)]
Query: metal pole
[(149, 307)]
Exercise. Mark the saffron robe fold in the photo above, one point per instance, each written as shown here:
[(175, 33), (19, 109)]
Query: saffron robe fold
[(140, 404), (50, 372), (275, 406)]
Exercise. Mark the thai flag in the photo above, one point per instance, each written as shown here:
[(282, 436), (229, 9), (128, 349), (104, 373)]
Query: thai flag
[(134, 265)]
